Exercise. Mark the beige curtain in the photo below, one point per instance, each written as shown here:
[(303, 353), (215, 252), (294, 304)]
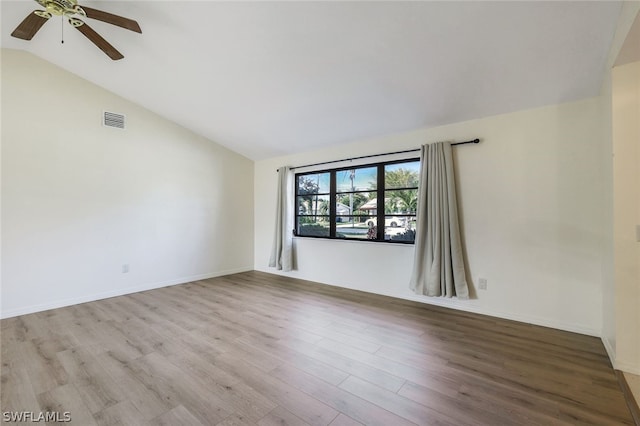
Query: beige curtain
[(282, 248), (438, 266)]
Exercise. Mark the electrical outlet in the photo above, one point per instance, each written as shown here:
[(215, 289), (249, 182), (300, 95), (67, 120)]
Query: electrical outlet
[(482, 283), (125, 268)]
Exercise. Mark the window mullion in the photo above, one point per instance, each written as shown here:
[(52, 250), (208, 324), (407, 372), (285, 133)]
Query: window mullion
[(332, 204), (380, 195), (296, 213)]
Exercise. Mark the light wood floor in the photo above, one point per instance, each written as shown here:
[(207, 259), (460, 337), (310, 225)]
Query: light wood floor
[(255, 348)]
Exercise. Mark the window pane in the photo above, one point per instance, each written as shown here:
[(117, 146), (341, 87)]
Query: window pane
[(313, 226), (351, 227), (400, 228), (353, 203), (313, 205), (357, 179), (402, 175), (401, 201), (313, 184)]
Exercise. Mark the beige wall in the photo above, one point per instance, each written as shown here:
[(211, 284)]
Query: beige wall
[(608, 279), (80, 200), (532, 212), (621, 42), (626, 214)]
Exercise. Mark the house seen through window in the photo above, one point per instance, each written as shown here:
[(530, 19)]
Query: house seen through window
[(374, 202)]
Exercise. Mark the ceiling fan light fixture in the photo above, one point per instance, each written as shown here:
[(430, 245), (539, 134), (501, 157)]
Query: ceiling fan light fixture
[(75, 22), (42, 13)]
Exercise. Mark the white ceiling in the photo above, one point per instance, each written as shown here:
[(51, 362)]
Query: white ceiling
[(274, 78)]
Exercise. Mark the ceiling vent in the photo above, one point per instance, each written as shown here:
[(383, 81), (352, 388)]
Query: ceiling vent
[(113, 119)]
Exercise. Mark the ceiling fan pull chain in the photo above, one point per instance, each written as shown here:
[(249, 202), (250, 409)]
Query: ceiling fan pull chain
[(62, 31)]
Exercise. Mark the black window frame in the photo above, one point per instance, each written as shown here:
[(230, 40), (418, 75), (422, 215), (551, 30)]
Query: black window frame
[(333, 195)]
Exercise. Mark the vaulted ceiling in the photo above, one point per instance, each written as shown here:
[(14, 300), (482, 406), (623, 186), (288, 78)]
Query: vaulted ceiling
[(273, 78)]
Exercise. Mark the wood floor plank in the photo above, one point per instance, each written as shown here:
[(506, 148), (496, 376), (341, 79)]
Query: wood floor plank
[(310, 410), (260, 349), (121, 414), (97, 388), (347, 364), (390, 366), (176, 416), (279, 416), (105, 335), (175, 384), (343, 420), (144, 398), (32, 327), (236, 419), (347, 403), (457, 408), (232, 394), (525, 408), (557, 390), (42, 365), (403, 407), (16, 392), (306, 363), (66, 399)]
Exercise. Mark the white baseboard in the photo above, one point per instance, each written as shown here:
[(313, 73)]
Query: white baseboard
[(627, 367), (113, 293), (611, 352), (619, 365)]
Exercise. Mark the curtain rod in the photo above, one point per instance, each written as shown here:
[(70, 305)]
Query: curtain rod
[(377, 155)]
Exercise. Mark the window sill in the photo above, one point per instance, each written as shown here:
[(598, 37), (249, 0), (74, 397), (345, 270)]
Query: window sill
[(347, 240)]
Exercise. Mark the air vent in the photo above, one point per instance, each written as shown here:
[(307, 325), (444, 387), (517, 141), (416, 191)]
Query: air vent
[(112, 119)]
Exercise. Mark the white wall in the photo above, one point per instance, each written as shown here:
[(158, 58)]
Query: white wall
[(80, 200), (626, 214), (531, 202)]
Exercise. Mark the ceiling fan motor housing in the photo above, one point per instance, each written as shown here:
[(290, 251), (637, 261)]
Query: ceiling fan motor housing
[(61, 7)]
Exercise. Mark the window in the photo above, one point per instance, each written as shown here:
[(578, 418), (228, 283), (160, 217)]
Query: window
[(373, 202)]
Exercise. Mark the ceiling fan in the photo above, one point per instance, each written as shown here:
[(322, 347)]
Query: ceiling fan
[(71, 9)]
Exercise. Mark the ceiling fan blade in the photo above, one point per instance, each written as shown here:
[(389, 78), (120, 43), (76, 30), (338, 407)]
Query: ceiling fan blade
[(29, 26), (100, 42), (112, 19)]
